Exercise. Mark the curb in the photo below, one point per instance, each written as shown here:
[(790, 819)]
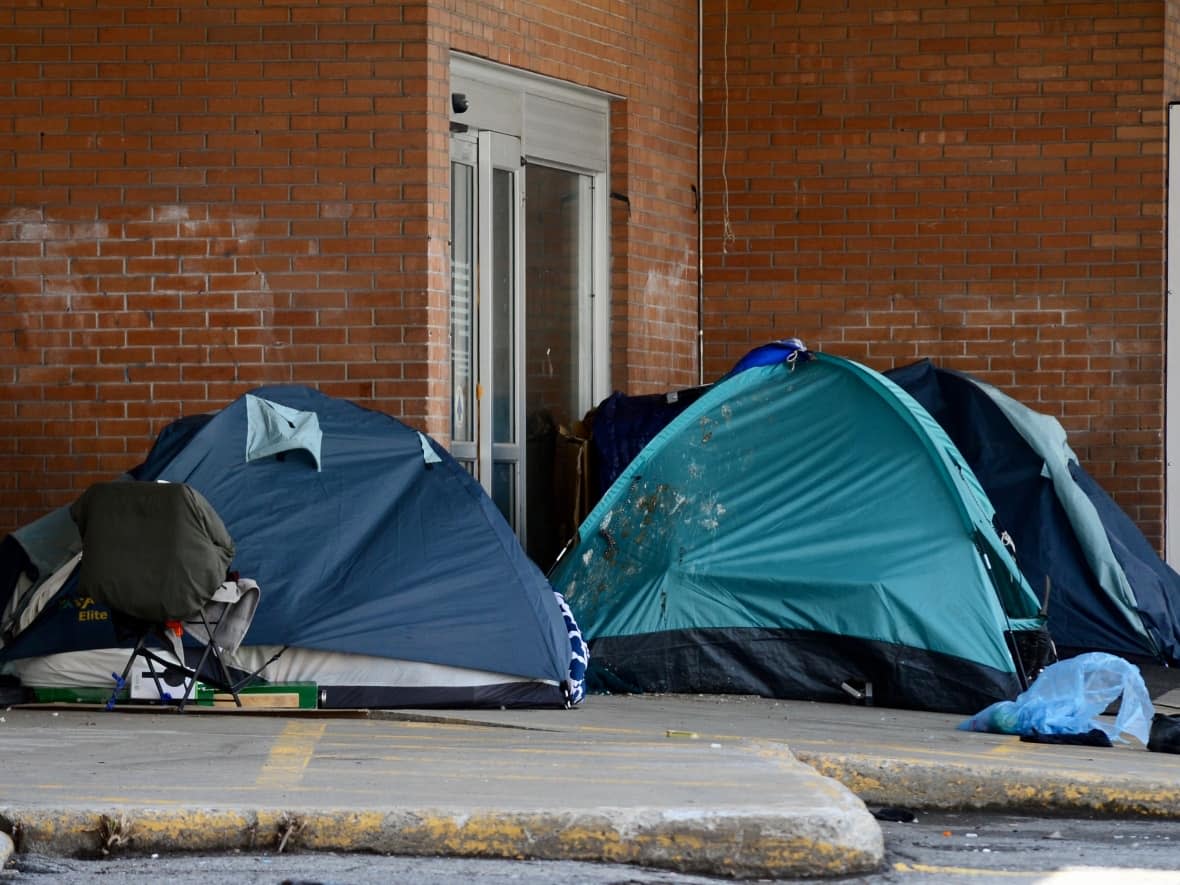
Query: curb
[(955, 787), (736, 845)]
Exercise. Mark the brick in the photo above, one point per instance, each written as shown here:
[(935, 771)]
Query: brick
[(966, 157), (1086, 114)]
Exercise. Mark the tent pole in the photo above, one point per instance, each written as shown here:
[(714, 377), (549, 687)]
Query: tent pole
[(1009, 635)]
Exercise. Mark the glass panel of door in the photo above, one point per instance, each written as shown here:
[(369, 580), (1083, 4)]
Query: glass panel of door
[(520, 316), (554, 388), (463, 399)]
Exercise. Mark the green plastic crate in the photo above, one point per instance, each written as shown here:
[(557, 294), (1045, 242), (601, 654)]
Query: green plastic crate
[(81, 695)]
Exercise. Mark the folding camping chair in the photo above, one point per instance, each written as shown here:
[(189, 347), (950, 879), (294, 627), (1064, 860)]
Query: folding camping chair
[(157, 554)]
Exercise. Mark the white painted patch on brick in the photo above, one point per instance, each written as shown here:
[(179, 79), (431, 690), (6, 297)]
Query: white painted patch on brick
[(171, 213), (94, 231), (16, 216), (33, 232)]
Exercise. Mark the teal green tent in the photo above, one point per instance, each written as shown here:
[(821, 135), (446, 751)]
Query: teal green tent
[(803, 530)]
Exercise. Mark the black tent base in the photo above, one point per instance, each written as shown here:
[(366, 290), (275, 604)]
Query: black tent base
[(793, 664), (388, 697)]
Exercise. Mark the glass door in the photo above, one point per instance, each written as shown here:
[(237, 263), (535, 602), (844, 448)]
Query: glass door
[(521, 332), (464, 402), (557, 351), (1172, 351), (500, 371), (486, 430)]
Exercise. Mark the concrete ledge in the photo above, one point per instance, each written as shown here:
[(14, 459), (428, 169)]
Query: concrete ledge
[(658, 796), (831, 842), (987, 786)]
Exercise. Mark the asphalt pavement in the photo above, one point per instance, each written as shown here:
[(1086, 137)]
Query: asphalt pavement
[(718, 785)]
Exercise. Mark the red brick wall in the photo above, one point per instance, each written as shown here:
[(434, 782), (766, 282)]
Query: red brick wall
[(646, 55), (195, 200), (981, 183), (200, 197), (1172, 51)]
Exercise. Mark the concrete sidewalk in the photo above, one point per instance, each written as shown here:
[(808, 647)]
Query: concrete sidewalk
[(550, 785), (899, 757), (702, 784)]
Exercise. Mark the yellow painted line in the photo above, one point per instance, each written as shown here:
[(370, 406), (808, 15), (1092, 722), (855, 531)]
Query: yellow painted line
[(882, 749), (1070, 769), (1014, 758), (290, 754)]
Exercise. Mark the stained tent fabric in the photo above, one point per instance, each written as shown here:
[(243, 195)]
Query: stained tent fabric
[(387, 571), (801, 527), (623, 425), (1108, 590)]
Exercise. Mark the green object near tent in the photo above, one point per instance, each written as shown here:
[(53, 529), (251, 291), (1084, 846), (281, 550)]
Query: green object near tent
[(79, 694), (300, 695), (802, 526)]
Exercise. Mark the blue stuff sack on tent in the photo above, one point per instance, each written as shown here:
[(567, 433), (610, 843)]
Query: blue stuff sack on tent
[(1068, 697), (579, 654)]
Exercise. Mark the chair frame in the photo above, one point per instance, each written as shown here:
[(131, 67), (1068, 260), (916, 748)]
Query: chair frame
[(211, 648)]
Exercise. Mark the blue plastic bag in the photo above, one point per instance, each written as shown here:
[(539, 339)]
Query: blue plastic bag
[(1068, 697)]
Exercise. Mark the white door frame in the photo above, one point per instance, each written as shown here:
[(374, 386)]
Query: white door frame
[(501, 153), (1172, 347), (507, 120), (561, 125)]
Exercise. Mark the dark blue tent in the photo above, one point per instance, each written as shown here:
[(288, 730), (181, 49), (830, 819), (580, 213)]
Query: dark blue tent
[(623, 425), (1108, 590), (387, 574)]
